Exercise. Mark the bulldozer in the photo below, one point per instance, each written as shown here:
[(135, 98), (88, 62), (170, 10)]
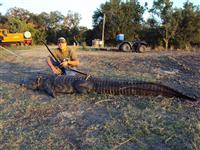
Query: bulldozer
[(7, 38)]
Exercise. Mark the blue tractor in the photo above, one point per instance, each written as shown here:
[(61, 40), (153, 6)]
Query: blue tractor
[(130, 46)]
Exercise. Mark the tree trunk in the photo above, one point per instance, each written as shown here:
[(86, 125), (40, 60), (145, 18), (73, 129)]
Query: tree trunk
[(166, 43)]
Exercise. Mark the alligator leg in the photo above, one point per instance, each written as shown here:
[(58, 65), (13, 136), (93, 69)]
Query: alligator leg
[(49, 87), (83, 86)]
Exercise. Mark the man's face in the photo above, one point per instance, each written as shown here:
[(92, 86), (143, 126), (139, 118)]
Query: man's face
[(62, 45)]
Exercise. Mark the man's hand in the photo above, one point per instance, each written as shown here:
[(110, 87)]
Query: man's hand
[(65, 63), (56, 71)]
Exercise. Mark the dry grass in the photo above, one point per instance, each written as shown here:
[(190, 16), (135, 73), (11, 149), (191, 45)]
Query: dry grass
[(33, 120)]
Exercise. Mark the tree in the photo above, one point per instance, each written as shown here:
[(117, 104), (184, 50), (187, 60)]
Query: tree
[(121, 17), (169, 19), (54, 24), (150, 32), (3, 21), (45, 25), (189, 31), (70, 27), (72, 20), (39, 21), (19, 13), (38, 36), (55, 20), (60, 25), (16, 25)]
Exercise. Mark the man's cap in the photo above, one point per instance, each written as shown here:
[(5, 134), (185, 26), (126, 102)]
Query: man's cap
[(62, 40)]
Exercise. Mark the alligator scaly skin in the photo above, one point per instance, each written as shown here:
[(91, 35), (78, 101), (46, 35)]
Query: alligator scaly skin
[(73, 84)]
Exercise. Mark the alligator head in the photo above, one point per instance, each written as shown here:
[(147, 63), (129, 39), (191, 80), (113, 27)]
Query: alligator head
[(35, 82)]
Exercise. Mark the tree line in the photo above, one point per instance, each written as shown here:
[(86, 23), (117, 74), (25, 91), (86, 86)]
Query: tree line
[(167, 26)]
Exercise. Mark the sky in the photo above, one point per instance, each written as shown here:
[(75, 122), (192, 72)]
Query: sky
[(85, 8)]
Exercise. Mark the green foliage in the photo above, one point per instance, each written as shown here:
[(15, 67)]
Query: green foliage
[(168, 19), (179, 27), (167, 26), (65, 26), (55, 19), (188, 32), (19, 13), (44, 25), (3, 21), (39, 21), (72, 20), (16, 25), (38, 36), (121, 17), (150, 32)]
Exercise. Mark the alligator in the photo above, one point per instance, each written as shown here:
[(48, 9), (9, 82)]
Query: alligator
[(54, 85)]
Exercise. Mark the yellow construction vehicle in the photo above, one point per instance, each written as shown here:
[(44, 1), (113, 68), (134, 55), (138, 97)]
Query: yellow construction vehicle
[(7, 38)]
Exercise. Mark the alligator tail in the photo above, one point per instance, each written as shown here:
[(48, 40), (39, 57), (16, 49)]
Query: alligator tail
[(137, 88)]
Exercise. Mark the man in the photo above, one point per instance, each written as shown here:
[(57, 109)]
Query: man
[(64, 54)]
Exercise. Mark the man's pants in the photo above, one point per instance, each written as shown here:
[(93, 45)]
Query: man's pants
[(67, 71)]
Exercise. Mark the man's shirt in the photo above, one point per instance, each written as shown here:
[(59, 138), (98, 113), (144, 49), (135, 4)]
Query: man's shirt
[(66, 54)]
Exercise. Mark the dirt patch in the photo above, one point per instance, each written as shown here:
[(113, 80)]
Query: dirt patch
[(33, 120)]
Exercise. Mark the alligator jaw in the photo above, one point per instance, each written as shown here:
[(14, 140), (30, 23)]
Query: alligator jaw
[(29, 83)]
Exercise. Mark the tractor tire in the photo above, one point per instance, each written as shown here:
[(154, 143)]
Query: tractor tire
[(125, 47), (142, 49)]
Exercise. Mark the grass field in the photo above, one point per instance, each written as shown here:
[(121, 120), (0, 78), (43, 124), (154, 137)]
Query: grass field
[(33, 120)]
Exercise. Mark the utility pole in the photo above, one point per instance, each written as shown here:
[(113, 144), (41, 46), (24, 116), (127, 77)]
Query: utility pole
[(104, 20)]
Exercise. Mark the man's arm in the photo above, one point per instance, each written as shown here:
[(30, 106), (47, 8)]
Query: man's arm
[(72, 63), (55, 69)]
